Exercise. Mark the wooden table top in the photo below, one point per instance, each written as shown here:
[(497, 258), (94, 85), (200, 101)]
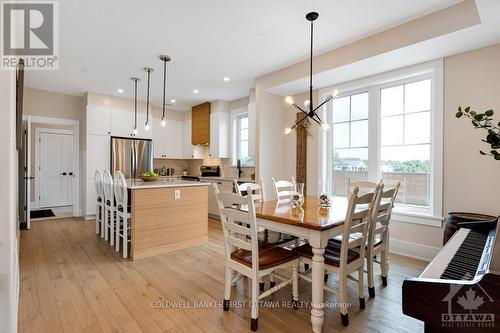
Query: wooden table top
[(310, 216)]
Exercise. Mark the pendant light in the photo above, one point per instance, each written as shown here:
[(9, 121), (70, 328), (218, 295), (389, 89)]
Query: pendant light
[(165, 59), (148, 70), (308, 104), (136, 80)]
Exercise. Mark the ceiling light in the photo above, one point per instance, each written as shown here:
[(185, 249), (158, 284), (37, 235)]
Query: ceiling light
[(173, 101), (165, 59), (121, 91), (226, 79), (148, 70), (195, 91), (136, 80), (309, 109)]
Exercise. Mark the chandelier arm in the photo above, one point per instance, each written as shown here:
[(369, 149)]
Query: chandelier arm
[(298, 107), (301, 120), (323, 103), (318, 118)]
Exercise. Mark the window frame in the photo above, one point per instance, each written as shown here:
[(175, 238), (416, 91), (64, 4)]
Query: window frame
[(431, 216), (238, 133)]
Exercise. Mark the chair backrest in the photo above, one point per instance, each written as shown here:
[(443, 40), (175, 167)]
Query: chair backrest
[(381, 215), (283, 189), (256, 189), (363, 186), (107, 182), (357, 221), (98, 184), (235, 210), (120, 190)]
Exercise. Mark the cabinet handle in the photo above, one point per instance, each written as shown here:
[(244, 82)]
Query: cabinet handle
[(63, 173)]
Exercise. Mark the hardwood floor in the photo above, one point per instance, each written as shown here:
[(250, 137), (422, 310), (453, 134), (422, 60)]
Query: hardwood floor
[(72, 281)]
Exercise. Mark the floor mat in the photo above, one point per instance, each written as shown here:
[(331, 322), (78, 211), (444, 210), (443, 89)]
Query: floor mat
[(36, 214)]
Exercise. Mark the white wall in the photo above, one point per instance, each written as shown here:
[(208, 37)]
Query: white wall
[(276, 151), (9, 231)]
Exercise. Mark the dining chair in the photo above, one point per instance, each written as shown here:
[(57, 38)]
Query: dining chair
[(244, 256), (267, 238), (378, 235), (347, 257), (123, 216), (364, 186), (283, 189), (99, 209), (109, 207)]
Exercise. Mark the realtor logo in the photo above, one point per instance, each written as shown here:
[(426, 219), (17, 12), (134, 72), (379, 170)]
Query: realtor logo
[(29, 31), (464, 308)]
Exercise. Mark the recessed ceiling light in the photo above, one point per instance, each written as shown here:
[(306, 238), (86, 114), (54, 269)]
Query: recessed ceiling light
[(226, 79), (120, 91), (172, 101), (195, 91)]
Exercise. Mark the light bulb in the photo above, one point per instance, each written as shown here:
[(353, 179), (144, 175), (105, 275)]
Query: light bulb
[(288, 130), (163, 123), (335, 92), (147, 127), (289, 100), (306, 103), (134, 131), (325, 126)]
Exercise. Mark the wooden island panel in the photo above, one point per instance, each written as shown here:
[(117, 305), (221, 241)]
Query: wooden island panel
[(162, 224)]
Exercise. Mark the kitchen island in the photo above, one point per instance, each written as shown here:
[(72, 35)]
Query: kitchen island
[(167, 215)]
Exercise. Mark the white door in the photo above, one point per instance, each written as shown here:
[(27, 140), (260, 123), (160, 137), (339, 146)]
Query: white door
[(55, 169)]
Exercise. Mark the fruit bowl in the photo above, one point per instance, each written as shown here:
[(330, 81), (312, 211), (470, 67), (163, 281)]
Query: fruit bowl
[(149, 177)]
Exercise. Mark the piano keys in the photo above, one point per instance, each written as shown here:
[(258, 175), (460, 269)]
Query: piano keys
[(459, 291)]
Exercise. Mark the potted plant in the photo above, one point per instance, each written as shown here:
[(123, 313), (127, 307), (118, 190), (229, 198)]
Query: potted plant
[(484, 121)]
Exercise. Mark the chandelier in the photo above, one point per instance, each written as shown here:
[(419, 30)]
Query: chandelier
[(310, 110)]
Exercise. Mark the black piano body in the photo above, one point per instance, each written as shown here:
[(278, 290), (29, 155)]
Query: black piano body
[(459, 291)]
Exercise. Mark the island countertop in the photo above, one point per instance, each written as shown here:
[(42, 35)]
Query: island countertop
[(135, 184)]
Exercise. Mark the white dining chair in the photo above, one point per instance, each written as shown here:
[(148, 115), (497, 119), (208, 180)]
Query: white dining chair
[(123, 216), (363, 186), (109, 207), (378, 235), (347, 257), (244, 256), (267, 238), (99, 209), (283, 189)]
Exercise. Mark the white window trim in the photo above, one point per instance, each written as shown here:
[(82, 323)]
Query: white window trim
[(434, 70), (236, 114)]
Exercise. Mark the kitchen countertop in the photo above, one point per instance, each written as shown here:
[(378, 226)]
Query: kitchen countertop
[(135, 184), (243, 180)]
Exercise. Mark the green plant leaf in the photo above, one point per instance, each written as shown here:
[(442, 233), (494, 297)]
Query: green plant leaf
[(489, 113), (459, 114), (494, 152), (467, 109), (482, 152), (497, 157), (459, 108), (478, 117), (473, 113)]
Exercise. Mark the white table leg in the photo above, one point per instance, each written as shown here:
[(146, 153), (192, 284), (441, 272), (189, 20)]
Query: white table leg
[(318, 270)]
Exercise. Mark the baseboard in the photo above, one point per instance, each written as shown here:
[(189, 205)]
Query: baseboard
[(413, 250), (89, 217)]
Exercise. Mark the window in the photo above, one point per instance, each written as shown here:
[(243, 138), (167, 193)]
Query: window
[(389, 127), (242, 139)]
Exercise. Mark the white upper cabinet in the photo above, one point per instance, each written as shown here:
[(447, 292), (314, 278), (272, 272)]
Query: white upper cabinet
[(219, 134), (168, 140), (97, 158), (251, 129), (98, 120), (122, 122), (190, 151)]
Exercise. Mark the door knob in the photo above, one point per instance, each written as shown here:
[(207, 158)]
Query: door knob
[(63, 173), (71, 173)]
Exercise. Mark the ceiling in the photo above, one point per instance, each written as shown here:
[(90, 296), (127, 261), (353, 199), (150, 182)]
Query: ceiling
[(103, 43)]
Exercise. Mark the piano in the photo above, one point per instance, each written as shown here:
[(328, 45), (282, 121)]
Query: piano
[(459, 291)]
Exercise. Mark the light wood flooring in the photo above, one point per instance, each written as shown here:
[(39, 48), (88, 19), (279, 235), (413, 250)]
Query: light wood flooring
[(72, 281)]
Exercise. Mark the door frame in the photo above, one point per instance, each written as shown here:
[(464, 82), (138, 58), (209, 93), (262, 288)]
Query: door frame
[(76, 156)]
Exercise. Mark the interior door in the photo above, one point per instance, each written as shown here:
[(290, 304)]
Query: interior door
[(24, 178), (55, 169)]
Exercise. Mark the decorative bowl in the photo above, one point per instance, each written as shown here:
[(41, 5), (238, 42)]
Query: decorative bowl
[(149, 178)]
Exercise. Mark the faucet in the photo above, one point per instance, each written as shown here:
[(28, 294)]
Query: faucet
[(238, 166)]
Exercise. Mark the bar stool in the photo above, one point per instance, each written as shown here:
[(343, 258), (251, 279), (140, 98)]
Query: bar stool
[(99, 209), (122, 223), (109, 207)]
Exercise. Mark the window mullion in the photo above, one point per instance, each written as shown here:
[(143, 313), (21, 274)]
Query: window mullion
[(374, 134)]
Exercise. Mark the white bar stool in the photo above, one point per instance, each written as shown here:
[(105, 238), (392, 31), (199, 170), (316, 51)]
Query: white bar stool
[(109, 207), (99, 209), (122, 223)]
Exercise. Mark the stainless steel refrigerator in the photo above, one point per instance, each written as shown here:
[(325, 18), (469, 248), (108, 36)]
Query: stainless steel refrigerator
[(131, 156)]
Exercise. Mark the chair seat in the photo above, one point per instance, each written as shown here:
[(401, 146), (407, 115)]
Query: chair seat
[(267, 257), (332, 253), (270, 238), (338, 239)]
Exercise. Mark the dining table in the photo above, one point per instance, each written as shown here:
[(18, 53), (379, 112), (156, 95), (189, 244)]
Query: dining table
[(312, 223)]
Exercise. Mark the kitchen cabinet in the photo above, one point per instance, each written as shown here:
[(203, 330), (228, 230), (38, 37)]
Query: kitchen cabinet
[(98, 120), (122, 122), (200, 124), (190, 151), (98, 156), (219, 134), (167, 141)]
